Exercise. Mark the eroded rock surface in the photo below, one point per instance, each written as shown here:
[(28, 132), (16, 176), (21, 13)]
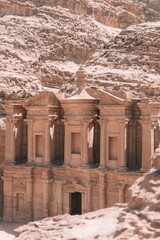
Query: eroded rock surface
[(141, 219), (130, 61), (88, 226), (43, 43)]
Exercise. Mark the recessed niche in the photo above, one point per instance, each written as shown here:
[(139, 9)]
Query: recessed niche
[(113, 148), (39, 146), (75, 143)]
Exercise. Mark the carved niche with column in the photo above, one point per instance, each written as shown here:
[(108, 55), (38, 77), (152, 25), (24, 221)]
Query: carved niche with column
[(150, 119), (15, 138), (80, 113), (45, 130), (114, 116)]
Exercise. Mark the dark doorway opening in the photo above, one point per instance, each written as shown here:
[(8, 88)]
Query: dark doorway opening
[(75, 203)]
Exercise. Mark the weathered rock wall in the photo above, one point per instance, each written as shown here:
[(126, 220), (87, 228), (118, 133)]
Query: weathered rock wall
[(111, 13), (129, 61), (16, 8)]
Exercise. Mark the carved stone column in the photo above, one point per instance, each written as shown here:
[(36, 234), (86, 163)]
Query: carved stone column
[(47, 154), (85, 153), (10, 141), (66, 144), (45, 198), (30, 140), (147, 144), (8, 199), (102, 190), (121, 192), (122, 145), (89, 194), (29, 200), (102, 143), (59, 183)]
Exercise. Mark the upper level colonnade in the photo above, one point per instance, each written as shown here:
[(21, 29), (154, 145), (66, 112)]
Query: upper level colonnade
[(91, 128)]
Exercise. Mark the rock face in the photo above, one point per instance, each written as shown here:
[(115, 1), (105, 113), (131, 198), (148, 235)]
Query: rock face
[(129, 61), (141, 220), (84, 227), (43, 42)]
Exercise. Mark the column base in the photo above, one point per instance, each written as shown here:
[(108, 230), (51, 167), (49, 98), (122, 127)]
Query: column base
[(9, 162), (86, 166), (102, 167), (143, 170), (66, 165), (122, 169), (30, 163), (7, 220)]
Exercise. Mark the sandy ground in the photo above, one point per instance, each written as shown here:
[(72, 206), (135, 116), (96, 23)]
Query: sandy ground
[(6, 230)]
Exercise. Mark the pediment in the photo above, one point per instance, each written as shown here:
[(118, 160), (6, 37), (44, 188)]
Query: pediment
[(105, 97), (75, 186), (44, 99), (19, 186)]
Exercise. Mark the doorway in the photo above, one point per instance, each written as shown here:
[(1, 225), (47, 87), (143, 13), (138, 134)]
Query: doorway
[(75, 203)]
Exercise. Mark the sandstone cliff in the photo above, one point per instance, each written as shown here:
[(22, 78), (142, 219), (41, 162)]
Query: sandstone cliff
[(47, 47), (43, 42), (130, 61)]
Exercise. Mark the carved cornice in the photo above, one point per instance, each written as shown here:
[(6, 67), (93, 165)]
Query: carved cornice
[(121, 185), (123, 121), (92, 182), (60, 181)]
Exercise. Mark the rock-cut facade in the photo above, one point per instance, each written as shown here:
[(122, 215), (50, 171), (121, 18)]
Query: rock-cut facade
[(73, 154)]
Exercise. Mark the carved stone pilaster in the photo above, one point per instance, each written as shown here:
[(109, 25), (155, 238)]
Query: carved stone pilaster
[(30, 140), (147, 143), (102, 190), (59, 184), (10, 155), (29, 200), (103, 163), (85, 152), (121, 192), (8, 199), (66, 144), (123, 145)]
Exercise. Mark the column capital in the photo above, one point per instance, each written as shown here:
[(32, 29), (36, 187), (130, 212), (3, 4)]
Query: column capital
[(102, 121), (47, 181), (86, 122), (8, 120), (121, 185), (123, 122), (29, 120), (65, 121), (29, 180), (156, 124), (47, 122), (92, 182), (6, 178), (145, 121), (52, 117), (60, 181)]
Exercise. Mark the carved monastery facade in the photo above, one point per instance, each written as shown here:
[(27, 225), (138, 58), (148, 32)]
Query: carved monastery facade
[(73, 154)]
